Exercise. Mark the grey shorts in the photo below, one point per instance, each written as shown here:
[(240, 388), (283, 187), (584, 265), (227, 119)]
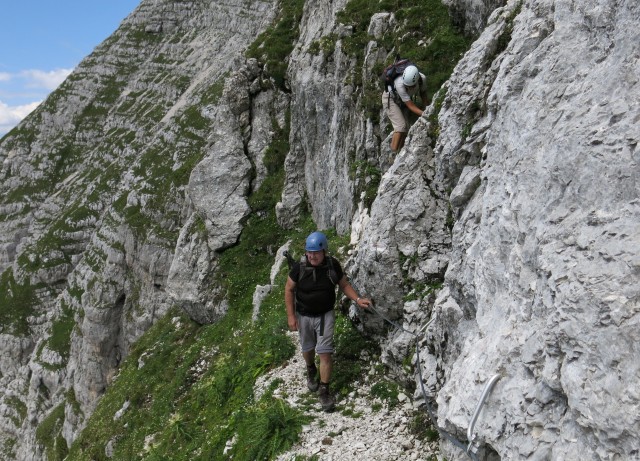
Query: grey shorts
[(309, 329)]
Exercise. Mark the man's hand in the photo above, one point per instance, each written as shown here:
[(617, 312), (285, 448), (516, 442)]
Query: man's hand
[(363, 303), (293, 322), (350, 293), (413, 108)]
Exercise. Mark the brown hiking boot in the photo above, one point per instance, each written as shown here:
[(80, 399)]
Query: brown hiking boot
[(327, 401), (312, 378)]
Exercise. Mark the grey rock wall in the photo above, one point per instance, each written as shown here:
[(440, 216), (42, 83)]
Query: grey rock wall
[(321, 126), (538, 148), (472, 15), (329, 135)]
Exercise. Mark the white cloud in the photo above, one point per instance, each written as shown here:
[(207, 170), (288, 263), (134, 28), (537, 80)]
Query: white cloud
[(10, 116), (23, 91), (45, 79)]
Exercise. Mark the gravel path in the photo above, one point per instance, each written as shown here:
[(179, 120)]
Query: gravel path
[(355, 431)]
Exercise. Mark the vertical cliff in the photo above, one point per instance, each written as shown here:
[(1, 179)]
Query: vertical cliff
[(165, 173), (536, 158)]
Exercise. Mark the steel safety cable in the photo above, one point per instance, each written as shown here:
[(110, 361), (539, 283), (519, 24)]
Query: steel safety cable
[(429, 408)]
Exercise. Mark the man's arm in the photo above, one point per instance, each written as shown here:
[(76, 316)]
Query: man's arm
[(289, 302), (350, 293), (413, 108)]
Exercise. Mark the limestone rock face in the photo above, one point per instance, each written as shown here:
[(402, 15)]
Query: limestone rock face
[(328, 135), (407, 238), (538, 148), (317, 164)]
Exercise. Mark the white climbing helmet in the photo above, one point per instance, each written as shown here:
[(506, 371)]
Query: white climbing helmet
[(410, 76)]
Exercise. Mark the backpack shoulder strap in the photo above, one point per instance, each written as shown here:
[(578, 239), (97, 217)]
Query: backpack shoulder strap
[(333, 275), (290, 260), (303, 267)]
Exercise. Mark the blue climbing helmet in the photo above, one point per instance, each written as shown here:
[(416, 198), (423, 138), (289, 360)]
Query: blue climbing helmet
[(316, 241)]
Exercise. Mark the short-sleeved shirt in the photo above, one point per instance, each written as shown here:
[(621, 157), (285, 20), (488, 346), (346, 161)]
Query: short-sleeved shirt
[(406, 92), (315, 291)]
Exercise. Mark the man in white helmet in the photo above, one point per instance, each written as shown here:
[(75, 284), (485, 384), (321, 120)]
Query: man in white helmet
[(399, 101)]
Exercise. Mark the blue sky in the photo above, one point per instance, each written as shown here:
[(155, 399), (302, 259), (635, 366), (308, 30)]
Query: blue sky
[(43, 41)]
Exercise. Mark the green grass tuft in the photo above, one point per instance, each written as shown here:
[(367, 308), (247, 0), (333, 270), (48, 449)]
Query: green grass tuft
[(266, 429), (60, 339), (49, 435), (386, 391), (274, 46), (17, 303)]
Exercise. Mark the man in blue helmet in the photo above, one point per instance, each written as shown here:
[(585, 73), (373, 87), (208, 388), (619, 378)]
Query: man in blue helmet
[(310, 296)]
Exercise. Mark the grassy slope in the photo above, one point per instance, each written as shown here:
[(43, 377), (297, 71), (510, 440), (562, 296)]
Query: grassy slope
[(189, 388)]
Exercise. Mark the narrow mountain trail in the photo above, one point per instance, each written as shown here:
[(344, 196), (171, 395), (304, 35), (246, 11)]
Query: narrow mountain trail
[(362, 427)]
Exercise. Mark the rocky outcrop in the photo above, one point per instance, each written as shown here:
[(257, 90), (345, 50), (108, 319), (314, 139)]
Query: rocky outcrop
[(538, 147), (317, 164), (325, 154), (472, 15)]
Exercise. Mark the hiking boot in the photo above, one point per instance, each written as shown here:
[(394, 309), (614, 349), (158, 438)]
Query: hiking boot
[(312, 378), (327, 401)]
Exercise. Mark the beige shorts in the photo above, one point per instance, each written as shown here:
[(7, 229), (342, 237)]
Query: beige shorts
[(395, 113)]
